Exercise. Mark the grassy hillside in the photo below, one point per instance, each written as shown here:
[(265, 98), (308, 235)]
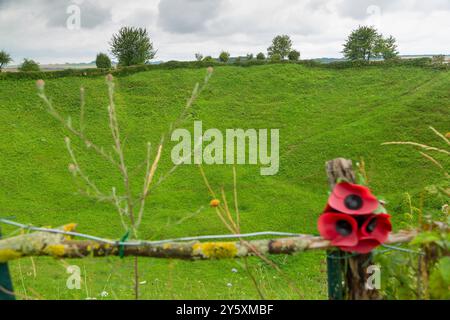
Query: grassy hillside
[(321, 114)]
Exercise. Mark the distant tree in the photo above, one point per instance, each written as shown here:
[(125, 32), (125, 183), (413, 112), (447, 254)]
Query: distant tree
[(198, 57), (224, 56), (365, 43), (208, 59), (132, 46), (260, 56), (250, 56), (281, 45), (29, 65), (387, 48), (361, 44), (103, 61), (5, 59), (275, 57), (294, 55)]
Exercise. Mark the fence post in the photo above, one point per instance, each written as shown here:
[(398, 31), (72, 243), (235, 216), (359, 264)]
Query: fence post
[(6, 287), (334, 274), (347, 277)]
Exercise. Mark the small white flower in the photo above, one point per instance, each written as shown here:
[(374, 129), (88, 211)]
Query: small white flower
[(73, 168), (234, 270), (104, 294), (229, 285)]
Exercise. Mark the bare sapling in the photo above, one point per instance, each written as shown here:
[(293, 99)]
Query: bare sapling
[(130, 207)]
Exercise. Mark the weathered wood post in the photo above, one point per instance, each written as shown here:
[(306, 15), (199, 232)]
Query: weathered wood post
[(347, 277), (6, 287)]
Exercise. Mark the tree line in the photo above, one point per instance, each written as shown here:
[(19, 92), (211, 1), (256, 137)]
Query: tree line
[(132, 46)]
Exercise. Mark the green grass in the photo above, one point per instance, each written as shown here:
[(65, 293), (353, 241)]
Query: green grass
[(321, 114)]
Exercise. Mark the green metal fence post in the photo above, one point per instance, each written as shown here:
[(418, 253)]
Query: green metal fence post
[(335, 275), (6, 286)]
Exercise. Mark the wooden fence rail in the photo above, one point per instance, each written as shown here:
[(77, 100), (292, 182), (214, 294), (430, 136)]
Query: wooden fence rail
[(59, 246)]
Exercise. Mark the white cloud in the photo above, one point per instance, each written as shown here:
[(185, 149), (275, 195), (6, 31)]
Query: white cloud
[(179, 28)]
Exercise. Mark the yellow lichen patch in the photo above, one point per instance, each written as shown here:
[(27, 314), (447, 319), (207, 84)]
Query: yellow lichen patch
[(70, 227), (8, 255), (56, 250), (216, 250)]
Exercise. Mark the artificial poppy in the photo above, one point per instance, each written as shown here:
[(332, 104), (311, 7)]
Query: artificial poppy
[(377, 226), (353, 199), (341, 229), (363, 246)]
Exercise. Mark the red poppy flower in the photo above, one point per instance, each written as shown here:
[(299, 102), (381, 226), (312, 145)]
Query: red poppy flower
[(377, 226), (353, 199), (363, 246), (341, 229)]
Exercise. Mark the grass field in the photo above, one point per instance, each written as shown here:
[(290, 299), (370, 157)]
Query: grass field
[(321, 113)]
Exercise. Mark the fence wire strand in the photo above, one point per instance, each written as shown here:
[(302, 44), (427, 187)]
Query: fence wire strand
[(158, 242)]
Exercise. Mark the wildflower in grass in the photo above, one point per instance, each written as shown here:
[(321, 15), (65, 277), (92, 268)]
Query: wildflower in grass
[(104, 294), (214, 203), (234, 270), (40, 84), (210, 70)]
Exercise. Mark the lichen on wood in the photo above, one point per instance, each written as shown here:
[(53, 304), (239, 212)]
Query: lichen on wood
[(60, 246)]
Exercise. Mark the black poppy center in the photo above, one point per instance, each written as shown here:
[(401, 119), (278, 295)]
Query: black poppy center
[(344, 228), (371, 226), (353, 202)]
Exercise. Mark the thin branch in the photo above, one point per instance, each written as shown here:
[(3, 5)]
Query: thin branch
[(76, 169), (115, 132), (219, 214), (89, 144), (82, 106), (236, 205), (205, 180), (423, 146), (440, 135), (151, 170), (433, 160), (227, 211)]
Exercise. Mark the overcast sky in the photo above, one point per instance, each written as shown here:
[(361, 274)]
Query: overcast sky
[(38, 29)]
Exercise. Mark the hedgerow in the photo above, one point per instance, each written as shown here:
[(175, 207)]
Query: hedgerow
[(124, 71)]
